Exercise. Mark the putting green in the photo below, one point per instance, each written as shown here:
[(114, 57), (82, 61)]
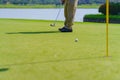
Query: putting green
[(32, 50)]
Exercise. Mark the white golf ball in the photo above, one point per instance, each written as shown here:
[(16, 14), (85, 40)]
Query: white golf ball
[(76, 40)]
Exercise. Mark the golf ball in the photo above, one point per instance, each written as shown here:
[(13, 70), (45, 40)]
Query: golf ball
[(51, 25), (76, 40)]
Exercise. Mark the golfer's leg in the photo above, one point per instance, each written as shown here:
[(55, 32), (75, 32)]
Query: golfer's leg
[(65, 11), (70, 9)]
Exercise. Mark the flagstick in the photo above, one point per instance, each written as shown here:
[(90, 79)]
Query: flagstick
[(107, 23)]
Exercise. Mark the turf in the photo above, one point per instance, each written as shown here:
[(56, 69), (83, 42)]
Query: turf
[(32, 50)]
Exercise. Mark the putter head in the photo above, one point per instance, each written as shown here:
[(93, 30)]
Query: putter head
[(52, 25)]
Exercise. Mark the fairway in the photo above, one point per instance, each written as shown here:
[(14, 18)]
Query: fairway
[(32, 50)]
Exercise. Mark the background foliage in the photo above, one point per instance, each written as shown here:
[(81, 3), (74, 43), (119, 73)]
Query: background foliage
[(114, 9)]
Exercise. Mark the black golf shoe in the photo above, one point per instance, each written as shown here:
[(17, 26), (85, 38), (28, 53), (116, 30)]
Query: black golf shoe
[(64, 29)]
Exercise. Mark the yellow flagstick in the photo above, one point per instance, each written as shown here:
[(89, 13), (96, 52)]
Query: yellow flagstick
[(107, 23)]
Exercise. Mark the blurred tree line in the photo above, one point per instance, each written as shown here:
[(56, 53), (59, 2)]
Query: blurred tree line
[(57, 2)]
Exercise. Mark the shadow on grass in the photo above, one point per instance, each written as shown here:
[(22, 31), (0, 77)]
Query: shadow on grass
[(3, 69), (53, 61), (41, 32)]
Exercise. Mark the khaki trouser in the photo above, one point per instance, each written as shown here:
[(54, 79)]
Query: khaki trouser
[(69, 12)]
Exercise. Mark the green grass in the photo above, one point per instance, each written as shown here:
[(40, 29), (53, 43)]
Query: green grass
[(89, 6), (46, 6), (27, 6), (32, 50)]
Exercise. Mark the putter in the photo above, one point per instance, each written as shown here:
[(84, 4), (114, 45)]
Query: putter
[(54, 23)]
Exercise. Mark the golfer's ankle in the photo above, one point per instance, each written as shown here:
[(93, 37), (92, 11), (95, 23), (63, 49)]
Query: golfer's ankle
[(68, 27)]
